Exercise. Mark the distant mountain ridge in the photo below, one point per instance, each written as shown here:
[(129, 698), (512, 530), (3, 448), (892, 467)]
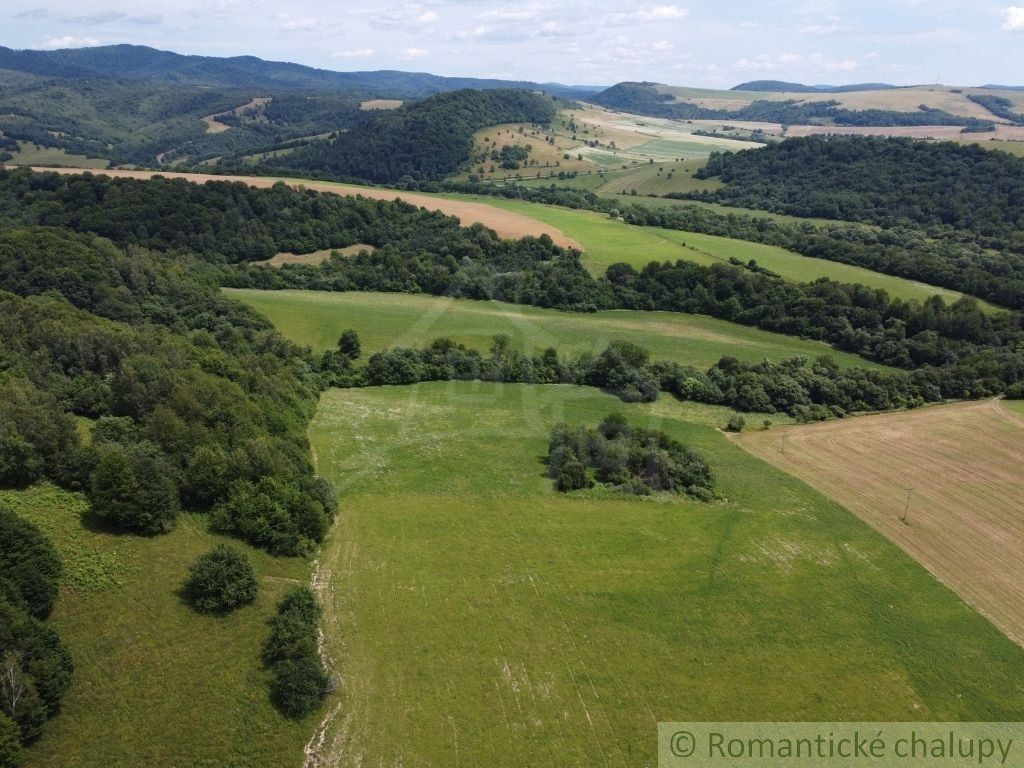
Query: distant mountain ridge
[(138, 62), (780, 86)]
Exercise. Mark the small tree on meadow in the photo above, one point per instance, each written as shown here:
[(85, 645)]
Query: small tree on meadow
[(348, 344), (221, 581), (736, 423)]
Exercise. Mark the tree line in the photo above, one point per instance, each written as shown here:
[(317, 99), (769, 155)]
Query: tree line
[(801, 388)]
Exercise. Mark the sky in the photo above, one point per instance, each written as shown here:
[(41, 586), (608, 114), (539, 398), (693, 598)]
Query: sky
[(706, 43)]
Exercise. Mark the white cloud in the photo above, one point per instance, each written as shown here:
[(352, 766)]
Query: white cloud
[(288, 24), (663, 13), (1013, 19), (830, 26), (70, 42), (661, 45), (413, 53), (357, 53), (409, 16), (795, 64)]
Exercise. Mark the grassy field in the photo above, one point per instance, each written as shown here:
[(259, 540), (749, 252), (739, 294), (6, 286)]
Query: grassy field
[(317, 318), (660, 179), (953, 471), (380, 104), (491, 621), (907, 99), (606, 241), (156, 684), (314, 258), (34, 154)]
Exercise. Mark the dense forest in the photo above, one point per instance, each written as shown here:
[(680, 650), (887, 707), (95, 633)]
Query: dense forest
[(147, 123), (428, 252), (228, 222), (645, 99), (424, 140), (880, 181)]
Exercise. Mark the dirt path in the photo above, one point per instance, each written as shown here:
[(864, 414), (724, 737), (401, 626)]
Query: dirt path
[(953, 472), (506, 223)]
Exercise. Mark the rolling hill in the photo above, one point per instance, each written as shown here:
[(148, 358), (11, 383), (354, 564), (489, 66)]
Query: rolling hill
[(138, 62)]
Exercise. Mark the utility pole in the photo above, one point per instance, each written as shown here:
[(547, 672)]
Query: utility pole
[(784, 436), (906, 509)]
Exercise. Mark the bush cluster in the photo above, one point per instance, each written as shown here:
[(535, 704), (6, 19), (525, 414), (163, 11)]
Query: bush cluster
[(299, 681), (631, 459)]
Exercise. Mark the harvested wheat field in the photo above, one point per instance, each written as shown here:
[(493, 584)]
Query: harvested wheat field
[(960, 464), (506, 223)]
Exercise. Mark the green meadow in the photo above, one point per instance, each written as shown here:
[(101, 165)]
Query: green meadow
[(383, 320), (606, 241), (156, 684), (481, 618)]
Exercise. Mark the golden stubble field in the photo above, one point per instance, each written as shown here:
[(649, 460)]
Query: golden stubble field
[(960, 466)]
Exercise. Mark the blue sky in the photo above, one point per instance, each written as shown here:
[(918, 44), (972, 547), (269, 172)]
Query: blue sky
[(695, 42)]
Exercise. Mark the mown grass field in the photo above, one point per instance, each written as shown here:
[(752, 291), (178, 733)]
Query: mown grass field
[(156, 684), (953, 471), (481, 618), (34, 154), (382, 320), (606, 241)]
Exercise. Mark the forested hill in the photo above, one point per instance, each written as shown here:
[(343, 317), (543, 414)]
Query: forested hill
[(880, 181), (137, 62), (424, 140), (779, 86), (646, 99)]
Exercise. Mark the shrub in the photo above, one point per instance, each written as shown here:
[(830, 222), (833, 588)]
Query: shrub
[(298, 685), (299, 681), (133, 488), (10, 743), (221, 581), (736, 423), (30, 568), (572, 476), (20, 465)]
